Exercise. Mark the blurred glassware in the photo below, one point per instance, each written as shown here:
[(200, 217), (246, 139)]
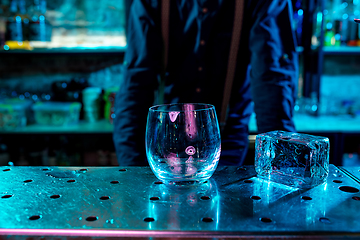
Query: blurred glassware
[(91, 100)]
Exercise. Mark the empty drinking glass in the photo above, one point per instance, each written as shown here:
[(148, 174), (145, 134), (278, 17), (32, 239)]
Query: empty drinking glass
[(183, 142)]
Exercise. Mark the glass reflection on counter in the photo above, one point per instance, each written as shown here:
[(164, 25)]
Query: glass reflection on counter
[(174, 205)]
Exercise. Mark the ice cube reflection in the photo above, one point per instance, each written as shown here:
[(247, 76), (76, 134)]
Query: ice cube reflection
[(270, 193)]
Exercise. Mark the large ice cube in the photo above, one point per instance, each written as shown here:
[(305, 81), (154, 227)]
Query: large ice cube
[(293, 159)]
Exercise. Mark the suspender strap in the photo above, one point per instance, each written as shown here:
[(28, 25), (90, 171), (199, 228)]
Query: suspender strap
[(234, 47), (165, 10)]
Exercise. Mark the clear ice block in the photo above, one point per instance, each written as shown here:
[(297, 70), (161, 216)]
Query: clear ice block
[(293, 159)]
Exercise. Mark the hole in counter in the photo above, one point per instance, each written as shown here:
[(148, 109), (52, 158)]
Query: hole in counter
[(205, 198), (154, 198), (324, 220), (35, 217), (45, 169), (356, 198), (158, 182), (266, 220), (337, 181), (27, 181), (55, 196), (105, 198), (7, 196), (349, 189), (92, 218), (255, 197), (114, 182), (83, 170), (149, 219), (307, 198), (207, 219), (6, 170), (123, 170), (71, 180), (248, 181)]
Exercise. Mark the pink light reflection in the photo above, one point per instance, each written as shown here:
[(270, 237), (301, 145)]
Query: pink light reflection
[(190, 169), (191, 129), (94, 233), (173, 116), (190, 150), (73, 232), (174, 162)]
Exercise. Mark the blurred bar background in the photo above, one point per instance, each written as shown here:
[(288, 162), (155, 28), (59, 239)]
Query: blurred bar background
[(71, 51)]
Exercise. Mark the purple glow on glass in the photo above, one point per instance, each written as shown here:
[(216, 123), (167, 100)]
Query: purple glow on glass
[(190, 169), (190, 150), (190, 116), (190, 160), (173, 116), (192, 199), (174, 162)]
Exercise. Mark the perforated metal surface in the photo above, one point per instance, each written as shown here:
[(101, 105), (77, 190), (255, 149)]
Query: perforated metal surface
[(115, 202), (353, 172)]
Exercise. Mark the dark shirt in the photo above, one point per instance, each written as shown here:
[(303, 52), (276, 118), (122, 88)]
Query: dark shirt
[(199, 44)]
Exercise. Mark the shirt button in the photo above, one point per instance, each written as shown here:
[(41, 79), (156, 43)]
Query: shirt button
[(198, 90), (204, 10), (202, 42), (200, 69)]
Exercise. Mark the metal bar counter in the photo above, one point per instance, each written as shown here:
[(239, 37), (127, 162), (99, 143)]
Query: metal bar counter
[(114, 202)]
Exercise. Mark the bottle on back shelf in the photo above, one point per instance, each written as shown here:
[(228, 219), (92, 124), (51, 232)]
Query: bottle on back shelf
[(3, 13), (24, 19), (16, 27), (40, 29), (14, 30)]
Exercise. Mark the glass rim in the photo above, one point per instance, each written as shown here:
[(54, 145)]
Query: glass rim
[(204, 106)]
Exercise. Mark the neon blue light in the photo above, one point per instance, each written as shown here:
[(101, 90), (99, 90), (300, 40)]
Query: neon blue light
[(329, 25), (300, 12), (319, 17)]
